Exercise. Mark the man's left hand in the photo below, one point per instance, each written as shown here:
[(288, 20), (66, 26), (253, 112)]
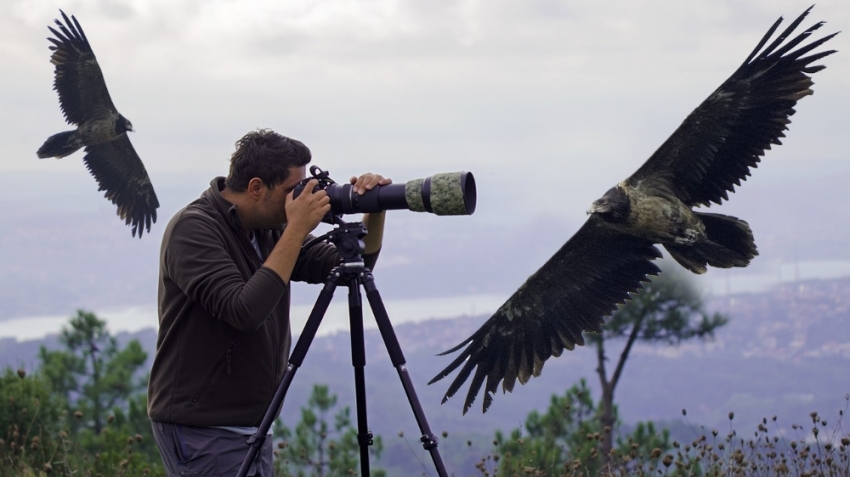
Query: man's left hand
[(368, 181)]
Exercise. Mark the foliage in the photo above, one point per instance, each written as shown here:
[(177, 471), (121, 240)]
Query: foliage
[(91, 372), (773, 451), (820, 451), (30, 423), (82, 413), (567, 437), (37, 436), (316, 449)]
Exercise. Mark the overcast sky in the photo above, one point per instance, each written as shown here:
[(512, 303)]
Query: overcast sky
[(548, 103), (568, 94)]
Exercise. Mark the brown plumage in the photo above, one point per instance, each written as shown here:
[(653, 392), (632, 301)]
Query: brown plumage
[(608, 258), (101, 129)]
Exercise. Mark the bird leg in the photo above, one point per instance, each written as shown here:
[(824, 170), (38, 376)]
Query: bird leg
[(688, 238)]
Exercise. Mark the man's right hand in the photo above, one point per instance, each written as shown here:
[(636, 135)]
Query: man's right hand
[(304, 212)]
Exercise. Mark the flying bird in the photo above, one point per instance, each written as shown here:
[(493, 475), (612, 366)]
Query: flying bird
[(101, 129), (609, 257)]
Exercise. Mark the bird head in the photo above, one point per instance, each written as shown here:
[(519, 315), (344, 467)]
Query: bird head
[(123, 125), (614, 206)]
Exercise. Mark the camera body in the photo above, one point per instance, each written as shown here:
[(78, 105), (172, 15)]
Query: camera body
[(449, 193)]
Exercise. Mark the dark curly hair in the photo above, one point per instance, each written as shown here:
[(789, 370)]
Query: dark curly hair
[(265, 154)]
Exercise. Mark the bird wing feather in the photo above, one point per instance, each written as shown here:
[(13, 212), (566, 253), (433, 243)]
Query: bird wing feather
[(714, 149), (570, 294), (119, 171), (77, 77)]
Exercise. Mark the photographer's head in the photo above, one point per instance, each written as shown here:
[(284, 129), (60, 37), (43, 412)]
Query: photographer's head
[(264, 169), (267, 155)]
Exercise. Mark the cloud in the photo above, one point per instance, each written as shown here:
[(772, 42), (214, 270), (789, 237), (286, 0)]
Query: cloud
[(556, 86)]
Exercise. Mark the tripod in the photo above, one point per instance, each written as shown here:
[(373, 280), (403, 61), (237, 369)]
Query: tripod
[(347, 239)]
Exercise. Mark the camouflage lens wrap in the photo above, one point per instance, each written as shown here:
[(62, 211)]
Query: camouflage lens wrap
[(447, 194), (413, 195)]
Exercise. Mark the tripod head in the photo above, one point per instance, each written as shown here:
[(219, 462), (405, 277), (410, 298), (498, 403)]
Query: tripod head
[(348, 239)]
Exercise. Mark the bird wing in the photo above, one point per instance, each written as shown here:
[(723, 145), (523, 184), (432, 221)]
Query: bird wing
[(78, 79), (571, 293), (717, 144), (119, 171)]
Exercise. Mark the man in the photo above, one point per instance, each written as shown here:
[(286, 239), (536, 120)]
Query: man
[(225, 266)]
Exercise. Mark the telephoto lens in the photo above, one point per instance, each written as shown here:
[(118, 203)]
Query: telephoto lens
[(446, 193)]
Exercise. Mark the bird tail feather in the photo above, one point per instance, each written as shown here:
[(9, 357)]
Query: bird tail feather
[(60, 145), (729, 243)]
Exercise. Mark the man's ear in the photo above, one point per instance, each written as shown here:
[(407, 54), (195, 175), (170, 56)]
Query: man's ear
[(255, 188)]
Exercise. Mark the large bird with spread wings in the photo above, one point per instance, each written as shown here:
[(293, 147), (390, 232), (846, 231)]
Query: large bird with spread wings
[(608, 258), (101, 129)]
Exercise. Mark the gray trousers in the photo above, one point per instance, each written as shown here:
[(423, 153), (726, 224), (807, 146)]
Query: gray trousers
[(208, 451)]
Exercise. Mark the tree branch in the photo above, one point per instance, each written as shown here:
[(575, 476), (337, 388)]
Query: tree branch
[(625, 354), (600, 356)]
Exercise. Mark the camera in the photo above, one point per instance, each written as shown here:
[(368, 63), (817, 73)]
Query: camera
[(447, 193)]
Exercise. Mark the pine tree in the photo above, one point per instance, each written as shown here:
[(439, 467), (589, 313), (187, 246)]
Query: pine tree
[(668, 310), (316, 448)]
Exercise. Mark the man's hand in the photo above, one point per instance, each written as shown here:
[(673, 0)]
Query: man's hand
[(374, 222), (305, 212), (368, 181)]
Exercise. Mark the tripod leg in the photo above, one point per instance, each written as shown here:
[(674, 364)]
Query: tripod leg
[(429, 440), (255, 442), (358, 360)]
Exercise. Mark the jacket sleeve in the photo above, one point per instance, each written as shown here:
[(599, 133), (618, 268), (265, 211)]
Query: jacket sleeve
[(197, 260), (314, 265), (370, 259)]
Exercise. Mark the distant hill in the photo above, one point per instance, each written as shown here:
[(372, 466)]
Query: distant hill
[(786, 352)]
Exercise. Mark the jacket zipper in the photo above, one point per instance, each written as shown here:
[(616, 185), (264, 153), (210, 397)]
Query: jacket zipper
[(227, 358), (229, 355)]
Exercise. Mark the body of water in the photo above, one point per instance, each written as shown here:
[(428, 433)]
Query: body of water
[(135, 318), (715, 283)]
